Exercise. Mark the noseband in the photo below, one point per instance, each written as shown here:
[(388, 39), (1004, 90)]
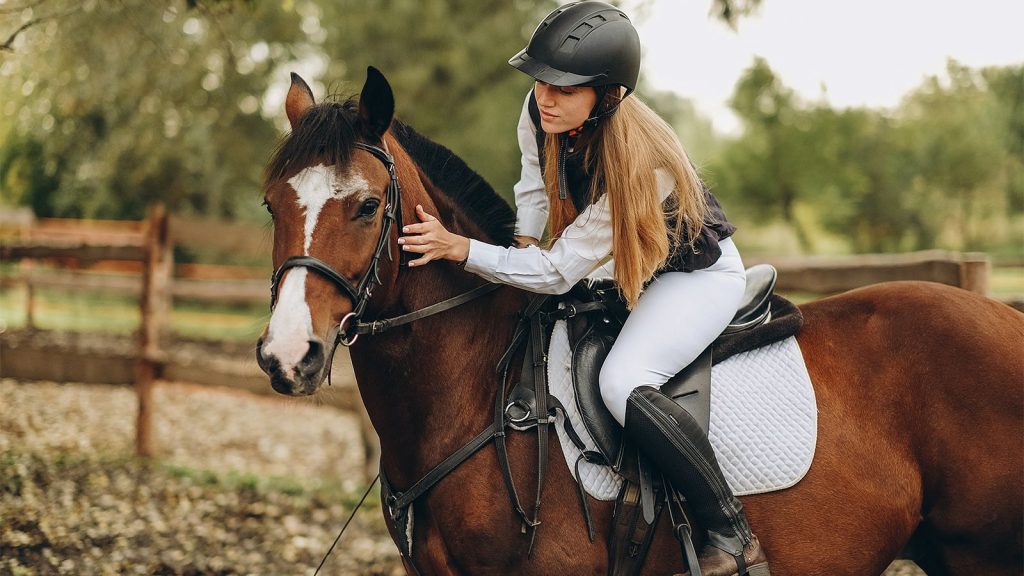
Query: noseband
[(351, 325)]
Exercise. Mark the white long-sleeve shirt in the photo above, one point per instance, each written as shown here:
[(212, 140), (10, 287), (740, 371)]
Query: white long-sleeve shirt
[(581, 249)]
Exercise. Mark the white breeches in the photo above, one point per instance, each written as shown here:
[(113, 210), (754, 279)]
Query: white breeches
[(675, 319)]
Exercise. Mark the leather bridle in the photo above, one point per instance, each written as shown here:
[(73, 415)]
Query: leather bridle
[(352, 326), (359, 293)]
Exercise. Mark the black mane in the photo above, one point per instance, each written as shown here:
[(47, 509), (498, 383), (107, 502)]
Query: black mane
[(327, 133)]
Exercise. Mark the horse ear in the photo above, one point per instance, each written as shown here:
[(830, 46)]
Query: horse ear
[(376, 103), (300, 99)]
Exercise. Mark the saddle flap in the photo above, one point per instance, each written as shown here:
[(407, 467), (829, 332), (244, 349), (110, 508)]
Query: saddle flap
[(589, 351), (691, 389)]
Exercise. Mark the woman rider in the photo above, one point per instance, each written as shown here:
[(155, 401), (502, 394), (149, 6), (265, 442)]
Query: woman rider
[(610, 178)]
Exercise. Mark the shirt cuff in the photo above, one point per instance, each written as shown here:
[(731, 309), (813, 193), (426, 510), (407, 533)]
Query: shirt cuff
[(483, 258), (531, 222)]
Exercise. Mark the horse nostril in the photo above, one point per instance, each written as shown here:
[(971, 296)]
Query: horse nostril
[(313, 361), (268, 365)]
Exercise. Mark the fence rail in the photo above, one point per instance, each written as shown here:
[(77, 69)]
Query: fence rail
[(141, 257), (834, 274)]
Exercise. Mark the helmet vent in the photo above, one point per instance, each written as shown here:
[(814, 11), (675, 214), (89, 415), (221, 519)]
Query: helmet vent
[(582, 30)]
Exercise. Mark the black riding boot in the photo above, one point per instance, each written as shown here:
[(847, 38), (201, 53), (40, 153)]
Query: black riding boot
[(669, 436)]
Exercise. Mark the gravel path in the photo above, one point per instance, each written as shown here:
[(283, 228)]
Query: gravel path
[(244, 484)]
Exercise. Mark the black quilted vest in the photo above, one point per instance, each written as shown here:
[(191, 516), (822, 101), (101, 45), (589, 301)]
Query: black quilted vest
[(701, 253)]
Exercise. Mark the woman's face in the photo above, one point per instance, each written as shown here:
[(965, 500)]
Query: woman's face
[(563, 108)]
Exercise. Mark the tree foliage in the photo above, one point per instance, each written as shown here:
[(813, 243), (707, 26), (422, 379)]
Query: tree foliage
[(106, 106), (133, 101), (115, 104), (944, 168)]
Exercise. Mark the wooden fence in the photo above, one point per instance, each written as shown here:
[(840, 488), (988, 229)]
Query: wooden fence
[(147, 242), (834, 274), (145, 249)]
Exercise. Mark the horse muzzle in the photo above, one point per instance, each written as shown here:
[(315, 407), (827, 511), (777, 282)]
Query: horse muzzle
[(300, 378)]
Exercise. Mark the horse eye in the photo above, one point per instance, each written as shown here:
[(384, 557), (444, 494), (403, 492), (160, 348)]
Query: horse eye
[(267, 206), (368, 208)]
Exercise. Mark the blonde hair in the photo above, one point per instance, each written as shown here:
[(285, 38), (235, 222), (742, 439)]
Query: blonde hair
[(625, 150)]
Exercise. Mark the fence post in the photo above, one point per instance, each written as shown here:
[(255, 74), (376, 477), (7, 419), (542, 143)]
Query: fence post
[(30, 294), (975, 270), (155, 308)]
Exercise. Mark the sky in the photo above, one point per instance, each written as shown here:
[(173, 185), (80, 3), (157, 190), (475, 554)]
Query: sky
[(849, 52)]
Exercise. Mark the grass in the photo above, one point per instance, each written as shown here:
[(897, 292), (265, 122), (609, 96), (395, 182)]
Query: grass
[(97, 312), (1006, 283), (234, 481)]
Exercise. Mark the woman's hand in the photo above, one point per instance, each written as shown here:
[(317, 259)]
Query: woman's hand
[(430, 238)]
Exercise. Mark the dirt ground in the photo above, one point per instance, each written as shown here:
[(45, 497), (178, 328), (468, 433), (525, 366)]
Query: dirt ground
[(243, 484)]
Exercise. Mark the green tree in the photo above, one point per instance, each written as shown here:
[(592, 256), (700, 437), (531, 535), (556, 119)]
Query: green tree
[(960, 142), (765, 167), (134, 101), (695, 131), (447, 64), (122, 103), (942, 169), (1006, 85)]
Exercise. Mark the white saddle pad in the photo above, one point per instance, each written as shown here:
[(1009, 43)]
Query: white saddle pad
[(764, 420)]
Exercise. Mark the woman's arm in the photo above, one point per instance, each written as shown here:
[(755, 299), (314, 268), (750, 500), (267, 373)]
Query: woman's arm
[(581, 249)]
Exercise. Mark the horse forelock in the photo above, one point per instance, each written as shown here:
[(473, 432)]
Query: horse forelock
[(326, 134)]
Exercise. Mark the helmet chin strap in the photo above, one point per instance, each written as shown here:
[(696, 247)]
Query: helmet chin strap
[(596, 115)]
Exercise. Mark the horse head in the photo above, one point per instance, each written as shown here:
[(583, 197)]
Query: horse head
[(332, 192)]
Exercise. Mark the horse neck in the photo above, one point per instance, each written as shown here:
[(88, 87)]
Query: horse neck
[(429, 387)]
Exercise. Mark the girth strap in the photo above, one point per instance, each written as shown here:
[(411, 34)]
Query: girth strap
[(539, 359)]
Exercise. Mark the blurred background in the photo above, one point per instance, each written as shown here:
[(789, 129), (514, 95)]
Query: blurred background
[(851, 142)]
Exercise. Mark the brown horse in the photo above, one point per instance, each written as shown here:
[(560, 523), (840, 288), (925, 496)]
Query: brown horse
[(920, 387)]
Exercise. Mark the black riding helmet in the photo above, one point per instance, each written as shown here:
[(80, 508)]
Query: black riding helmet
[(583, 44)]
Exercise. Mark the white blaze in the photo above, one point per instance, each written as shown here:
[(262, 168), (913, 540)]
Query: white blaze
[(316, 185), (291, 323)]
